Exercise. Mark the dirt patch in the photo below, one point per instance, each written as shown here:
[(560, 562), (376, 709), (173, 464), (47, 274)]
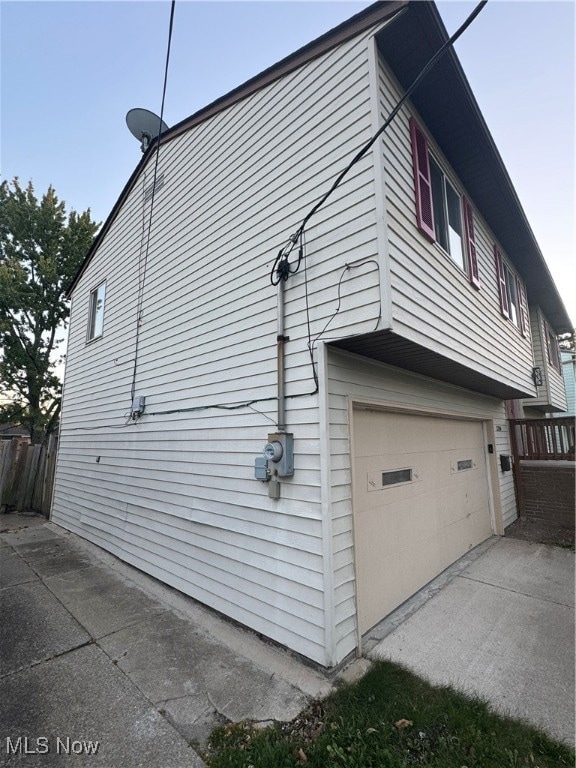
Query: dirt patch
[(542, 532), (15, 521)]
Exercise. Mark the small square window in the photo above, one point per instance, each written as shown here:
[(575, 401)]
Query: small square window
[(96, 315)]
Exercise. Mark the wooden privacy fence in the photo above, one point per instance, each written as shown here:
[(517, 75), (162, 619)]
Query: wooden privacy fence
[(27, 475), (543, 439)]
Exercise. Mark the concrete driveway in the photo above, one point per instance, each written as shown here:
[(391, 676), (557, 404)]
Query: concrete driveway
[(500, 625), (104, 666), (93, 650)]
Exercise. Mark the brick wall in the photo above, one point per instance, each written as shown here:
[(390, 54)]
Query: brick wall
[(548, 488)]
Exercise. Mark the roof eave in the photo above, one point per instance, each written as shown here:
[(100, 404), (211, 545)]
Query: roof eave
[(497, 198), (444, 100)]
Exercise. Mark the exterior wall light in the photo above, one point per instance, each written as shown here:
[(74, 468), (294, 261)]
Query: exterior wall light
[(537, 376)]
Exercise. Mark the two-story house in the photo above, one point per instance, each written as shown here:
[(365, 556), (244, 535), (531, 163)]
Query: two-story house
[(376, 374)]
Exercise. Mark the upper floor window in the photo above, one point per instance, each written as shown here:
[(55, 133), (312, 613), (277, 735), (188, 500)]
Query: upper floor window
[(444, 216), (447, 216), (96, 313), (512, 295), (552, 348), (510, 292)]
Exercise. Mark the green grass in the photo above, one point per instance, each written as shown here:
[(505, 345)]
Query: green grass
[(358, 727)]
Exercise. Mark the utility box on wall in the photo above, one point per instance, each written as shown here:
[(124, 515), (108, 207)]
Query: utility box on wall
[(279, 451)]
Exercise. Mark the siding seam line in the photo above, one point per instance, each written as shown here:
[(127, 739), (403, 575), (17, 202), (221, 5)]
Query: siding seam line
[(379, 187), (326, 503)]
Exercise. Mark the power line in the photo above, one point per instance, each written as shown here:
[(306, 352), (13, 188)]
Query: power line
[(142, 282), (281, 269)]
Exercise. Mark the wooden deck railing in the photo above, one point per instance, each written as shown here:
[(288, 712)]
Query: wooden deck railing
[(548, 439)]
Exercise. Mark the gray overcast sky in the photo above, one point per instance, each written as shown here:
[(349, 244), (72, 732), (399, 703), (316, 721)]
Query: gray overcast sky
[(71, 70)]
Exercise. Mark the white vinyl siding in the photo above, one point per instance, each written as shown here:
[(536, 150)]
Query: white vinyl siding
[(539, 345), (503, 445), (175, 494), (551, 396), (352, 376), (433, 302)]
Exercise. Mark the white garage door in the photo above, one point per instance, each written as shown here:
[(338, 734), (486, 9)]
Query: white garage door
[(420, 502)]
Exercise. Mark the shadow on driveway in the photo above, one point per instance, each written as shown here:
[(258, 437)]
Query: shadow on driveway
[(503, 629)]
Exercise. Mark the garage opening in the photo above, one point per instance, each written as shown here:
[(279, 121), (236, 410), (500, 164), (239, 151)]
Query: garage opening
[(420, 499)]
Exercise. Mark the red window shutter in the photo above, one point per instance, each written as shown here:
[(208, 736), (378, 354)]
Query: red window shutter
[(471, 244), (504, 305), (521, 300), (422, 181)]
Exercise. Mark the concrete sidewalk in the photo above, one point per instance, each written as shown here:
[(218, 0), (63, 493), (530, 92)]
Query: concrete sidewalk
[(503, 629), (95, 651)]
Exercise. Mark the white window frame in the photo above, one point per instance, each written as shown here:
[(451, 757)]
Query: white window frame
[(554, 356), (442, 205), (511, 293), (428, 170), (514, 306), (96, 313)]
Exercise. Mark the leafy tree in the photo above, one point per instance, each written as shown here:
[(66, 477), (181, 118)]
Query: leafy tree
[(41, 248), (567, 341)]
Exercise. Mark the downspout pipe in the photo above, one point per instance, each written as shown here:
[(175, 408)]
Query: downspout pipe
[(281, 340)]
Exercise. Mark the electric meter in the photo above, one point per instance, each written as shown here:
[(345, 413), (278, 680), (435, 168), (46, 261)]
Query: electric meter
[(279, 452), (273, 450)]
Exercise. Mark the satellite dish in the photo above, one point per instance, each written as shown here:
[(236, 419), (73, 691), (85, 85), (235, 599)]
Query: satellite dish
[(145, 125)]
